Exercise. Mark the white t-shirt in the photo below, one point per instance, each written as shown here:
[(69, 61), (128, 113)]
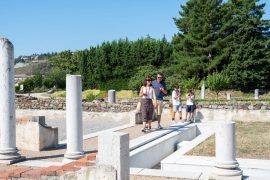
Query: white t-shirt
[(190, 100), (149, 91), (176, 101)]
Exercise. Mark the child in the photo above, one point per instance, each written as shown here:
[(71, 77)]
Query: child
[(176, 102), (190, 106)]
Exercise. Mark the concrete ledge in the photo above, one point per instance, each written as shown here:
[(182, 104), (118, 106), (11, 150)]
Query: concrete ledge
[(255, 168), (165, 174), (140, 141), (185, 146), (160, 148)]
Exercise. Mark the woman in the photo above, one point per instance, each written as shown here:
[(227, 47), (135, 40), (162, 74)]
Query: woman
[(148, 102)]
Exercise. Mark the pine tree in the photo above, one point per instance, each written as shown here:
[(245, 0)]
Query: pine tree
[(196, 44), (247, 35)]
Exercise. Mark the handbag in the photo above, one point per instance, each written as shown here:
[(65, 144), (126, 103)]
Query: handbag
[(139, 106)]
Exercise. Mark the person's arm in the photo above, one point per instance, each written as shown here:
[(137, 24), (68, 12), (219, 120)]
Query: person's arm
[(141, 92), (174, 95), (154, 97), (163, 89)]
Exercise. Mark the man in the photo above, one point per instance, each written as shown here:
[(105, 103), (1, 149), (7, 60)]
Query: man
[(161, 90)]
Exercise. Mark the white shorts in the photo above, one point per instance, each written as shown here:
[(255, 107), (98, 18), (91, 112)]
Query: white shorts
[(177, 108)]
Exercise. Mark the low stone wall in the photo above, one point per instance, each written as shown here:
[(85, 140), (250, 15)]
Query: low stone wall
[(126, 105)]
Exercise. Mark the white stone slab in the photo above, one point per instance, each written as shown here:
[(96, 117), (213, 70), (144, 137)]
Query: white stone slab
[(38, 163), (171, 174), (142, 140), (252, 168), (135, 170), (158, 149)]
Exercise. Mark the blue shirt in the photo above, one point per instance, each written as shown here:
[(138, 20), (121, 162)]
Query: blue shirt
[(157, 87)]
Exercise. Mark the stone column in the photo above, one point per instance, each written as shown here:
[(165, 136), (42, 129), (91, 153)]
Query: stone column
[(203, 91), (113, 150), (8, 150), (74, 118), (112, 96), (226, 166), (228, 96), (256, 93)]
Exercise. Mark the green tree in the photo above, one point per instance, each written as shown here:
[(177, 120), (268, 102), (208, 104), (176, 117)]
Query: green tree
[(247, 36), (217, 82), (56, 77), (28, 85), (137, 80), (197, 43)]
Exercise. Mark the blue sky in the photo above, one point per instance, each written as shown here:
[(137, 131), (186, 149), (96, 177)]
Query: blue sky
[(36, 26)]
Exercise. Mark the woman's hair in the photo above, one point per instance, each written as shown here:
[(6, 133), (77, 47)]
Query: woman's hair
[(176, 86), (145, 80)]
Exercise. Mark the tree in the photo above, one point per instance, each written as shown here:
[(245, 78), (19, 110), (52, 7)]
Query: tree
[(217, 82), (137, 80), (247, 35), (28, 85), (196, 45)]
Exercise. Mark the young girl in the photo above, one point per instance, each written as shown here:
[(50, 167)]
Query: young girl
[(148, 102), (190, 106), (176, 102)]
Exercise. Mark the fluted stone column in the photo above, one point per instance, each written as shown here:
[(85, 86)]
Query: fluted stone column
[(226, 166), (112, 96), (74, 121), (8, 150), (203, 91), (256, 92)]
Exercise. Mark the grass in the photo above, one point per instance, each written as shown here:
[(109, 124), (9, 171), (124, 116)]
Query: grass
[(252, 138), (126, 94)]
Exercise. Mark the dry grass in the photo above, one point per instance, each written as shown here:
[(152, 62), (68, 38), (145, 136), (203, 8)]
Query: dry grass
[(253, 141)]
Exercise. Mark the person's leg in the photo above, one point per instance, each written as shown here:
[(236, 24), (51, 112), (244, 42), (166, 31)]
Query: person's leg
[(159, 111), (192, 114), (174, 112), (180, 112), (187, 112)]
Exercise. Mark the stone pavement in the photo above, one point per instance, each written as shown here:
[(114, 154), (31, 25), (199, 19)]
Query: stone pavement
[(89, 145)]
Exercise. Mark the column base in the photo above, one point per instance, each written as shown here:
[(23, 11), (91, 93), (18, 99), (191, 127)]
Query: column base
[(9, 154), (12, 161), (69, 157), (217, 177), (226, 174)]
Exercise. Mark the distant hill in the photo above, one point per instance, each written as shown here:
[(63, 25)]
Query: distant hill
[(32, 68), (34, 57)]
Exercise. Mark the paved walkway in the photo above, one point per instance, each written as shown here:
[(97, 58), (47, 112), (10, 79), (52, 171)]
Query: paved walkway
[(92, 121), (89, 146)]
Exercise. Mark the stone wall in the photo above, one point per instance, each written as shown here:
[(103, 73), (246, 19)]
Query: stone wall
[(125, 105)]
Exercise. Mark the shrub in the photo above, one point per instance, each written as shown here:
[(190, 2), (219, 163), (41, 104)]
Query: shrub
[(217, 82)]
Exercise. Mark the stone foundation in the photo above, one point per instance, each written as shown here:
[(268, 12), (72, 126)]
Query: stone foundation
[(126, 105)]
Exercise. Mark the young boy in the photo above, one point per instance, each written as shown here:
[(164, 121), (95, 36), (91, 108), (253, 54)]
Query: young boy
[(176, 102)]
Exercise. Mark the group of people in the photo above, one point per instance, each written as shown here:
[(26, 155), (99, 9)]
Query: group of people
[(152, 95)]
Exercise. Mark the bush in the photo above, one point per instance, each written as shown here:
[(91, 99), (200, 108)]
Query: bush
[(55, 77), (217, 82)]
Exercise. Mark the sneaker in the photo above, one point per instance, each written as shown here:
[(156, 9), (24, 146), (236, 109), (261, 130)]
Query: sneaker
[(144, 130), (160, 127)]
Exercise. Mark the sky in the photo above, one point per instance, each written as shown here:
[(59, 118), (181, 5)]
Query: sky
[(36, 26)]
